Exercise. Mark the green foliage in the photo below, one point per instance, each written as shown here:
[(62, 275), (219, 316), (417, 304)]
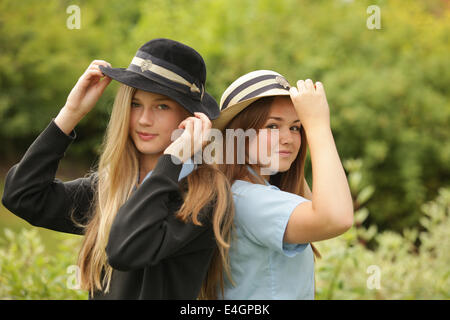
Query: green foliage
[(387, 88), (29, 271), (41, 60), (410, 265)]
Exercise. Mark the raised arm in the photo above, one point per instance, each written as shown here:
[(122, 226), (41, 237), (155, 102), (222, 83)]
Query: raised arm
[(330, 213), (31, 190)]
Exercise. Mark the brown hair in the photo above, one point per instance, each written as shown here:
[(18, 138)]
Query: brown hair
[(293, 180)]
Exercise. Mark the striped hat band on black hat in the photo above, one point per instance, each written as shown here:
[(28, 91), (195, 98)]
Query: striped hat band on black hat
[(157, 69), (252, 85)]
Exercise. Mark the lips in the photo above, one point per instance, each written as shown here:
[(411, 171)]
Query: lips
[(146, 136), (285, 153)]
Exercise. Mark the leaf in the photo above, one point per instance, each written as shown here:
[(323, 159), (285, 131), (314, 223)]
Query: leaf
[(354, 181), (365, 194), (9, 234), (361, 215)]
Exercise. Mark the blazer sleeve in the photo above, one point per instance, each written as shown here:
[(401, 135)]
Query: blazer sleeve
[(32, 192), (145, 229)]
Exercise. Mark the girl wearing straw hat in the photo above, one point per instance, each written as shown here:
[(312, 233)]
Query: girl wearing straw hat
[(152, 220), (276, 217)]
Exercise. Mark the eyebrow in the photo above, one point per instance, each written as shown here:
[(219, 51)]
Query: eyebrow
[(157, 99), (281, 119)]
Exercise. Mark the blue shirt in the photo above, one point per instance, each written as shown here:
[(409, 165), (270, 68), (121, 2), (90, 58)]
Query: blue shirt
[(262, 266)]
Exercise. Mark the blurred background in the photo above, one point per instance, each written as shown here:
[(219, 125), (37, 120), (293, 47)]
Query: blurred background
[(387, 83)]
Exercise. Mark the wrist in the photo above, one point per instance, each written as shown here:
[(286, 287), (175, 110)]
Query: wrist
[(317, 129), (73, 111), (67, 120), (177, 153)]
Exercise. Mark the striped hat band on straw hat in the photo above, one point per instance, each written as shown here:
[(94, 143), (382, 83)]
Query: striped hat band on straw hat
[(247, 89)]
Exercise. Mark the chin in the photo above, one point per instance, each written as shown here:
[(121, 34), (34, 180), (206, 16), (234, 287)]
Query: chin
[(284, 168), (150, 149), (284, 165), (274, 169)]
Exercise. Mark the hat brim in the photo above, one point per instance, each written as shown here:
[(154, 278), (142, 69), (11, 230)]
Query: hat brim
[(208, 105), (233, 110)]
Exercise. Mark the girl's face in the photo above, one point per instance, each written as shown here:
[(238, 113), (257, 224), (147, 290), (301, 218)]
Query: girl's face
[(282, 145), (153, 118)]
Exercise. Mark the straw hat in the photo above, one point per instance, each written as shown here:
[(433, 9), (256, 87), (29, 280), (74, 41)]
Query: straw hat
[(247, 89)]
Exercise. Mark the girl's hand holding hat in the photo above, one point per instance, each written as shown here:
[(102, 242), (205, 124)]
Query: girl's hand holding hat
[(195, 136), (83, 97), (311, 104), (88, 89)]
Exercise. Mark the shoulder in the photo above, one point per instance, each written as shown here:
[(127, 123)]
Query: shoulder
[(248, 191), (262, 200), (241, 187), (88, 183), (263, 211)]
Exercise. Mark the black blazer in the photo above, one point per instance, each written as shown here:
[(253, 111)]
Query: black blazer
[(153, 254)]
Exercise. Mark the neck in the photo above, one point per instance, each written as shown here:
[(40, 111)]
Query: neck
[(147, 162), (258, 170), (266, 177)]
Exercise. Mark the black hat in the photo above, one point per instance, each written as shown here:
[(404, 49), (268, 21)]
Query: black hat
[(172, 69)]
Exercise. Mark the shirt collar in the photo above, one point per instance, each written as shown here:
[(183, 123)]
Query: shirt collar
[(186, 169)]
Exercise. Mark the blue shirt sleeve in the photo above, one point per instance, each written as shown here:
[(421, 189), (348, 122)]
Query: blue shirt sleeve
[(262, 213)]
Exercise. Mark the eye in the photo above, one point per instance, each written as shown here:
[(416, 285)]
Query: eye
[(271, 126), (296, 128), (163, 107), (135, 104)]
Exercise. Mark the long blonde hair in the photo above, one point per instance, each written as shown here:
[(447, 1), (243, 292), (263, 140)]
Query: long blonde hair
[(117, 170)]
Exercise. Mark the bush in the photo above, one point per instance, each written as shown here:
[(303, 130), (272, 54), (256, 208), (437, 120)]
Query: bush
[(29, 271), (411, 265)]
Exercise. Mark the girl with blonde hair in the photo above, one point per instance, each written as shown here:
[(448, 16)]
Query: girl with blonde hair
[(155, 224)]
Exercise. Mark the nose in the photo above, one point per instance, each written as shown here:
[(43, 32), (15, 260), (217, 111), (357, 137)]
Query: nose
[(146, 117), (286, 136)]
